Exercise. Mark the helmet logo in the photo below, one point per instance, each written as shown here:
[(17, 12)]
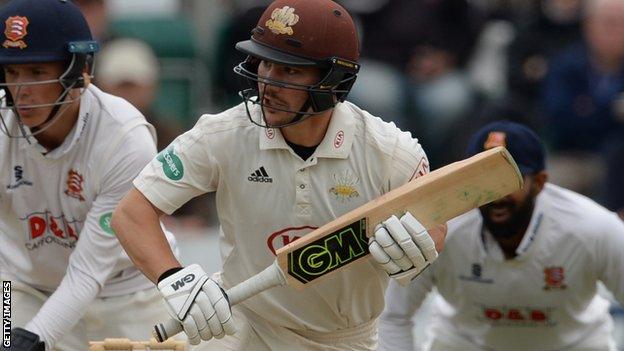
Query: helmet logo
[(14, 31), (282, 20)]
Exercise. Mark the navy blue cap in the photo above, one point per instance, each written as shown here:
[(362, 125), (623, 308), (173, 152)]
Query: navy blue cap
[(521, 142), (43, 31)]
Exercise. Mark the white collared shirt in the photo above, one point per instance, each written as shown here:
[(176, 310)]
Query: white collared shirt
[(49, 201), (543, 299), (268, 196)]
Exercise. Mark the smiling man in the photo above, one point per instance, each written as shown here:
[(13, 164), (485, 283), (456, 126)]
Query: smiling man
[(520, 273)]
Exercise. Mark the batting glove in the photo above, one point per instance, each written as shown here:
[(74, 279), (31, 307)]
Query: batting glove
[(403, 248), (23, 340), (198, 303)]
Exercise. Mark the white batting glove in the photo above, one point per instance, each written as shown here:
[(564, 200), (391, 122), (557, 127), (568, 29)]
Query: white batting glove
[(198, 303), (403, 248)]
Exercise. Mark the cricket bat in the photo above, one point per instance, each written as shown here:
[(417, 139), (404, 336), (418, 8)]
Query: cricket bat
[(433, 199)]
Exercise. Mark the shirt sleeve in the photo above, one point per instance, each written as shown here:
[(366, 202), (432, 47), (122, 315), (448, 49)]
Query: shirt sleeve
[(184, 170), (98, 254), (395, 323), (609, 257), (409, 161)]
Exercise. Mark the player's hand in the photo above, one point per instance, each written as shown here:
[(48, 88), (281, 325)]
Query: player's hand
[(23, 340), (403, 247), (198, 303)]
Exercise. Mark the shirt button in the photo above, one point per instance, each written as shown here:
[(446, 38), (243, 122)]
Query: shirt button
[(301, 186)]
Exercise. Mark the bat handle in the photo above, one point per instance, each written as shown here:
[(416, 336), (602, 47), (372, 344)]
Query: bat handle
[(270, 277)]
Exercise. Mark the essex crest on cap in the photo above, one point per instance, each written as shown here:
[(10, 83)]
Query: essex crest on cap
[(15, 29)]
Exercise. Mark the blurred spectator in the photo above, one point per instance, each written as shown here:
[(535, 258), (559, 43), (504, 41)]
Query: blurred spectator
[(582, 99), (128, 68), (96, 14), (236, 29), (430, 41), (556, 26)]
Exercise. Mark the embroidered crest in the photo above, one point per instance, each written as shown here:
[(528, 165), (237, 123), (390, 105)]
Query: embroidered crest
[(15, 29), (495, 139), (282, 20), (74, 185), (345, 188), (553, 277)]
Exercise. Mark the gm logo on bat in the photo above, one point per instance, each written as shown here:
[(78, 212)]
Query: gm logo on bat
[(180, 283), (329, 253)]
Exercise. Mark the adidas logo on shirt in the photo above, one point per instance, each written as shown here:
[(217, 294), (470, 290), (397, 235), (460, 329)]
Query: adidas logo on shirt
[(260, 176)]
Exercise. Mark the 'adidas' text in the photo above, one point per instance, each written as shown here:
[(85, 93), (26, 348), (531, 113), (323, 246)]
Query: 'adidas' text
[(260, 176)]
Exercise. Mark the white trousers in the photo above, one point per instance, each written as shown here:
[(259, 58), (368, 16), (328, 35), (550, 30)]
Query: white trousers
[(129, 316), (255, 333)]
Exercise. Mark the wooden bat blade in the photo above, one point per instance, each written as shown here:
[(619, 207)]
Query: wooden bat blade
[(433, 199)]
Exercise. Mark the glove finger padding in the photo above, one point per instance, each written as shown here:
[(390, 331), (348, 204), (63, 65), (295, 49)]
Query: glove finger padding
[(190, 328), (200, 312), (382, 257), (407, 244), (402, 247), (221, 305), (420, 236), (392, 248)]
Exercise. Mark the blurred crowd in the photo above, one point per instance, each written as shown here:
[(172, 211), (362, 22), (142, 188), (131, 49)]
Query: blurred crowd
[(438, 68)]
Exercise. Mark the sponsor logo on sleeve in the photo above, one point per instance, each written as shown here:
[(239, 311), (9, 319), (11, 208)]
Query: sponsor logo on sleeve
[(171, 164), (105, 223)]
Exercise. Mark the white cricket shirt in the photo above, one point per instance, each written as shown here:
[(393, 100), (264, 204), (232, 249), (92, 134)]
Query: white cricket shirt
[(268, 196), (55, 208), (543, 299)]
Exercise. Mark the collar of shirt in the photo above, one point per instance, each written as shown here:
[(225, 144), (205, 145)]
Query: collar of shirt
[(72, 138), (491, 247), (336, 143)]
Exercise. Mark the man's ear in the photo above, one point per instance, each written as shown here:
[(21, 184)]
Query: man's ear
[(539, 179)]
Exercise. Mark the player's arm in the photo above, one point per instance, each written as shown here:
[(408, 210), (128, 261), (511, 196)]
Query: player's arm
[(395, 322), (136, 223), (182, 171), (608, 255), (403, 247)]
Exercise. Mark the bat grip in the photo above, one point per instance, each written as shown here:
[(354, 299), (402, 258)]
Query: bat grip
[(270, 277)]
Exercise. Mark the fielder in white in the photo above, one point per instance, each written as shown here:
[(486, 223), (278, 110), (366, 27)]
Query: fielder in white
[(521, 273), (294, 156), (68, 153)]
